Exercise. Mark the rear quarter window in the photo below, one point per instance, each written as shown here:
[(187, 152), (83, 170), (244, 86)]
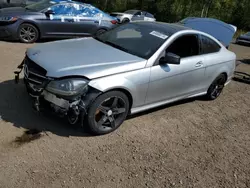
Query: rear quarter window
[(149, 15), (208, 45)]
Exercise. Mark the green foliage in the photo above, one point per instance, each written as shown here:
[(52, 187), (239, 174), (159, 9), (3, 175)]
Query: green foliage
[(235, 12)]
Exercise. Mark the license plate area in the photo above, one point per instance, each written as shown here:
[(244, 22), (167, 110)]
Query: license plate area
[(55, 100)]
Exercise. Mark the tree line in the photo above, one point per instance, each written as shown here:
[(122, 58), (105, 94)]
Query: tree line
[(236, 12)]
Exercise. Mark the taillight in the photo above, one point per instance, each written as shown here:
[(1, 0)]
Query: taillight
[(114, 21)]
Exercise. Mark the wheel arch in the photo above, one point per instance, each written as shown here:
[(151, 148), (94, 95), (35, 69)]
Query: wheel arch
[(126, 18), (126, 92), (225, 74), (100, 28), (225, 70), (108, 85), (103, 28)]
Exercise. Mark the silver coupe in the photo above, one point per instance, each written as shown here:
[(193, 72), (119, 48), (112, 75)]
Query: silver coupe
[(129, 69)]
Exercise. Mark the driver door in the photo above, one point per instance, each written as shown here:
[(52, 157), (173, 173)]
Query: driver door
[(61, 23), (173, 82), (138, 16)]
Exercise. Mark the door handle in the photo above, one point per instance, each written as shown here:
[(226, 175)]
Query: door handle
[(199, 64)]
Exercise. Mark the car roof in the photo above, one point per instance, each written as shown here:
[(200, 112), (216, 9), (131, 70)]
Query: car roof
[(132, 10), (169, 28)]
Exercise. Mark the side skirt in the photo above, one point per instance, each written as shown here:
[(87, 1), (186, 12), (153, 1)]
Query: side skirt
[(161, 103)]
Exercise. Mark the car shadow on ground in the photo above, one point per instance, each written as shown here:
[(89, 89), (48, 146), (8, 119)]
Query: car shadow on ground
[(243, 77), (16, 108), (245, 61)]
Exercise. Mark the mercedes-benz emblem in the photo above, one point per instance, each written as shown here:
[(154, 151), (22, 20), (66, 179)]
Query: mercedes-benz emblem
[(35, 53)]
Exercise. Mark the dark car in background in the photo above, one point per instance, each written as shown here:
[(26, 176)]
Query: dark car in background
[(133, 15), (53, 19), (16, 3), (243, 39)]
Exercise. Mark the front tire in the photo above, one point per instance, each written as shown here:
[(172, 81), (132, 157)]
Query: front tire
[(216, 87), (28, 33), (107, 112)]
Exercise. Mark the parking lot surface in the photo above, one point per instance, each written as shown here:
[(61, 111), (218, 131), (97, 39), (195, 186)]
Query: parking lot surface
[(193, 143)]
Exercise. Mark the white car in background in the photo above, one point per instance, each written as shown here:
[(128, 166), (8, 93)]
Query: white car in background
[(133, 15)]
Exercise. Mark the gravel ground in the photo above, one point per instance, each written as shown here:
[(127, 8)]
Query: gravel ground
[(193, 143)]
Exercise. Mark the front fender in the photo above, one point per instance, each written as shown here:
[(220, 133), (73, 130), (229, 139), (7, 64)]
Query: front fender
[(113, 82), (135, 82)]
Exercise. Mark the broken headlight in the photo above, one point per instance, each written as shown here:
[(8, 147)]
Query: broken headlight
[(68, 87)]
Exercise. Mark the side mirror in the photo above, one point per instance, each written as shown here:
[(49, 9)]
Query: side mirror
[(49, 12), (170, 58)]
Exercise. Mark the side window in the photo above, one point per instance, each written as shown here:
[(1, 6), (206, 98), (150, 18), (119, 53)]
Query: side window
[(149, 15), (208, 45), (185, 46), (64, 9), (137, 14), (88, 11)]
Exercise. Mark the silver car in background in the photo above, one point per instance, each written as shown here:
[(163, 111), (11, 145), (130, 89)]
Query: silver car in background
[(133, 15), (129, 69)]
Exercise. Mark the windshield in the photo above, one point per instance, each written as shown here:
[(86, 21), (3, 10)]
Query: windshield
[(137, 39), (248, 33), (40, 5), (131, 11)]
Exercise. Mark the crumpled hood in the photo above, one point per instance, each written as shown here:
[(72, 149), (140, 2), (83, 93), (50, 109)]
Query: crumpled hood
[(83, 57)]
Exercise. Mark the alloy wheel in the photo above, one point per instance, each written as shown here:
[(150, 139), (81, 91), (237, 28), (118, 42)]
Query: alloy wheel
[(28, 34), (110, 113), (217, 87)]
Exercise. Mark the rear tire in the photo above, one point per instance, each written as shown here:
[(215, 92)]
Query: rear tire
[(100, 31), (107, 112), (125, 20), (28, 33), (216, 87)]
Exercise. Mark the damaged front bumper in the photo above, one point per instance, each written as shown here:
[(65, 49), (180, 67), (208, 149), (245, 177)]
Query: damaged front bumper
[(73, 108)]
